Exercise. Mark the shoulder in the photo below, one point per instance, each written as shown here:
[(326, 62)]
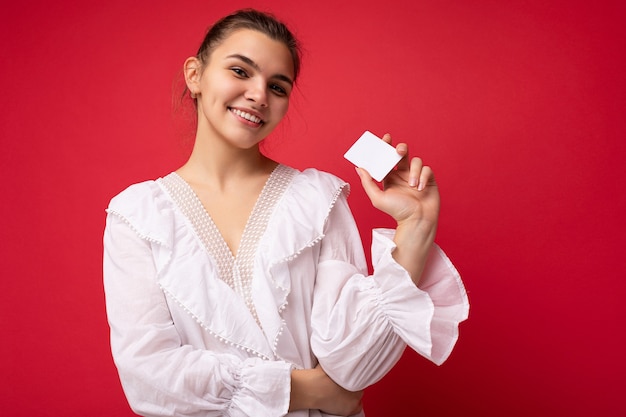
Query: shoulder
[(312, 181), (134, 194), (146, 207), (311, 196)]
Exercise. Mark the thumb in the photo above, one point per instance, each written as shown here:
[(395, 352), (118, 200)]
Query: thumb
[(371, 188)]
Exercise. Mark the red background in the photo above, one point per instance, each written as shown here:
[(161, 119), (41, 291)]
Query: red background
[(518, 106)]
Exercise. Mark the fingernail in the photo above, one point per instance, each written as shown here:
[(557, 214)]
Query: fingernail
[(412, 182), (421, 186)]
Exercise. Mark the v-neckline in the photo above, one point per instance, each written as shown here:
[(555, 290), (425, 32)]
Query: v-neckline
[(218, 236), (205, 229), (236, 270)]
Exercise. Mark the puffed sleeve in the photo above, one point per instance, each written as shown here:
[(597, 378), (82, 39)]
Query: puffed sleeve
[(362, 324), (160, 375)]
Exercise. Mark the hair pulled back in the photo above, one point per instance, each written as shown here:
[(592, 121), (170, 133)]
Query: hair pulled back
[(254, 20)]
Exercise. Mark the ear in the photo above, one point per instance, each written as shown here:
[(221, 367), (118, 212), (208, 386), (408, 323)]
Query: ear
[(192, 69)]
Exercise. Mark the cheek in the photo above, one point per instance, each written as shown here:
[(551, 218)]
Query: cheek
[(217, 87), (281, 107)]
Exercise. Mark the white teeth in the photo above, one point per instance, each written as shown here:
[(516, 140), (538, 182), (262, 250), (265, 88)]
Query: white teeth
[(246, 116)]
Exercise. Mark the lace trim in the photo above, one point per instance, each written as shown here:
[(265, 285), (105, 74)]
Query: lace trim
[(236, 271)]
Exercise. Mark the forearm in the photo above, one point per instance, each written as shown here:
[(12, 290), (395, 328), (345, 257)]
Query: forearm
[(414, 240), (299, 399), (312, 389)]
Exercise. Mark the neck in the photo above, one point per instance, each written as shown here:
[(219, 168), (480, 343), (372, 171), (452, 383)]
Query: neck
[(215, 164)]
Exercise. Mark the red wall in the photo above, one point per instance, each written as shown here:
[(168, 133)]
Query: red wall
[(518, 106)]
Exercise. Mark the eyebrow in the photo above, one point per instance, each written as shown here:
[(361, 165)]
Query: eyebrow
[(256, 67)]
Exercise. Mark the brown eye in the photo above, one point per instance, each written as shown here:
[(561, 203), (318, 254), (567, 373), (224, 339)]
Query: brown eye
[(278, 89), (239, 72)]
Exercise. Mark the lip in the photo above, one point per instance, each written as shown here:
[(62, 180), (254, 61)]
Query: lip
[(251, 112)]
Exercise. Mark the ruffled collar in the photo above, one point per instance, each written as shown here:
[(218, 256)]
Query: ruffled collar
[(297, 223)]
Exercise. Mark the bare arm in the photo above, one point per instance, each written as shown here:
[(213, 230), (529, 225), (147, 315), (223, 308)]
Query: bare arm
[(313, 389)]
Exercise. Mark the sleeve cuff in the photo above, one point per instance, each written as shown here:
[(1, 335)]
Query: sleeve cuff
[(266, 396), (425, 317)]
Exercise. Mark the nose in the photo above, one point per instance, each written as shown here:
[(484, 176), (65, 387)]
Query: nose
[(257, 93)]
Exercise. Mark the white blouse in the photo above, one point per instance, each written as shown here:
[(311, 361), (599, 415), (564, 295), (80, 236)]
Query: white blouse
[(198, 331)]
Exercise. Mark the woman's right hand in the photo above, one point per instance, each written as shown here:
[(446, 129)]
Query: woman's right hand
[(313, 389)]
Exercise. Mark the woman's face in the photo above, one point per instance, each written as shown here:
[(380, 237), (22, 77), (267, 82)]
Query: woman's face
[(243, 92)]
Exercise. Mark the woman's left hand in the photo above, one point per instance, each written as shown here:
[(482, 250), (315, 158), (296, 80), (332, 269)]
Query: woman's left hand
[(409, 193)]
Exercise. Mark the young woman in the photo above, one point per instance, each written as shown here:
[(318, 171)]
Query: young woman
[(238, 286)]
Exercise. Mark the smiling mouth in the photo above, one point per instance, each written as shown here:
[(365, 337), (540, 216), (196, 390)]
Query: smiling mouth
[(249, 117)]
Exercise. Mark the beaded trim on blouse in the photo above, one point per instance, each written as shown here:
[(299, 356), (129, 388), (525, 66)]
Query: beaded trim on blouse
[(236, 271)]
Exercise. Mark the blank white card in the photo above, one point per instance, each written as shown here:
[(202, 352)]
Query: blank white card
[(373, 154)]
